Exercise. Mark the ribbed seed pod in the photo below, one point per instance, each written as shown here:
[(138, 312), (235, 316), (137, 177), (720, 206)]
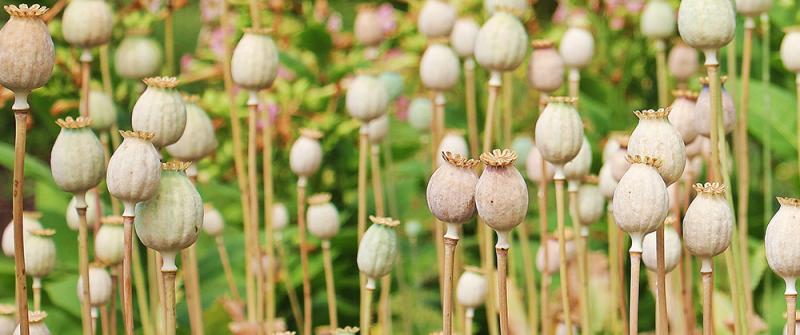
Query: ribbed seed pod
[(213, 222), (708, 223), (87, 23), (611, 146), (471, 288), (514, 7), (579, 167), (780, 240), (305, 156), (138, 56), (790, 49), (439, 69), (618, 164), (367, 26), (753, 8), (682, 61), (30, 221), (559, 131), (99, 286), (197, 140), (654, 136), (40, 253), (545, 68), (658, 20), (640, 200), (109, 241), (501, 195), (577, 46), (454, 142), (160, 110), (254, 62), (280, 216), (533, 166), (92, 212), (366, 98), (393, 82), (378, 129), (697, 147), (36, 324), (134, 169), (682, 114), (501, 43), (706, 24), (102, 111), (170, 221), (591, 202), (377, 250), (420, 112), (553, 257), (522, 145), (606, 181), (8, 320), (672, 248), (451, 190), (27, 54), (77, 160), (322, 217), (436, 18), (702, 110), (463, 36)]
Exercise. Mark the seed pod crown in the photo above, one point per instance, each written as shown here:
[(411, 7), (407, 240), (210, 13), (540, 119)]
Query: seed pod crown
[(458, 160), (499, 158)]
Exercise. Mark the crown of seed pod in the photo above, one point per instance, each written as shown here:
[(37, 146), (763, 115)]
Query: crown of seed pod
[(753, 8), (40, 253), (77, 159), (790, 49), (138, 56), (8, 320), (513, 7), (706, 24), (160, 110), (306, 153), (254, 62), (436, 19), (579, 166), (346, 331), (577, 46), (93, 212), (367, 26), (501, 195), (702, 110), (280, 216), (658, 20), (545, 68), (654, 136), (682, 114), (377, 250), (197, 140), (591, 203), (559, 131), (109, 241), (640, 200), (102, 111), (322, 217), (780, 240), (501, 43), (393, 82), (27, 54), (420, 112), (378, 129), (463, 36), (36, 324), (30, 221), (134, 169), (170, 221), (439, 69), (366, 98), (213, 222), (87, 23), (99, 286), (451, 189), (471, 288), (682, 61), (708, 223), (672, 248), (454, 142), (553, 257)]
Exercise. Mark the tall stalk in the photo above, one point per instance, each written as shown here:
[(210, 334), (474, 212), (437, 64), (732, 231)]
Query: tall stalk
[(21, 124), (254, 315), (301, 229), (226, 267), (329, 284), (562, 247), (543, 235), (169, 300), (384, 303), (743, 163), (508, 99), (708, 292), (487, 263), (83, 257), (582, 258), (791, 318), (661, 73), (530, 276), (266, 156), (636, 263), (363, 147), (472, 114)]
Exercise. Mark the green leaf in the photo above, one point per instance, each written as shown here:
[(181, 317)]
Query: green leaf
[(315, 38)]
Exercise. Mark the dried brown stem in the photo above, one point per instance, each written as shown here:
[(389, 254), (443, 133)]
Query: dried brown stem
[(141, 291), (266, 156), (543, 237), (618, 296), (363, 147), (791, 318), (384, 304), (661, 73), (327, 263), (661, 284), (104, 320), (192, 289), (708, 291), (716, 110), (112, 304), (86, 64), (447, 302), (508, 99), (502, 280), (530, 278), (484, 233), (21, 120), (490, 110), (254, 312), (127, 292), (366, 316), (472, 114), (37, 294), (301, 232), (636, 263), (169, 301), (284, 276), (226, 267), (582, 259), (743, 165), (83, 264), (468, 321), (562, 247)]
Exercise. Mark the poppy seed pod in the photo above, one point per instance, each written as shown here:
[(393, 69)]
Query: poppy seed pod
[(346, 331), (471, 288), (702, 110), (577, 47), (254, 62), (197, 140), (378, 129), (454, 142), (579, 166), (672, 249), (102, 111), (280, 216), (366, 98), (682, 115), (682, 61), (213, 222), (533, 166), (708, 223), (553, 256), (753, 8), (619, 164), (377, 250), (36, 324), (8, 320), (77, 159), (40, 253), (367, 26), (93, 212), (640, 202), (606, 181), (134, 169), (501, 43), (780, 240), (109, 241), (160, 110), (501, 195), (393, 82), (706, 24), (522, 145), (322, 217), (559, 131), (611, 146), (451, 191), (439, 69), (545, 68), (413, 228), (436, 18), (658, 20), (463, 36), (138, 56), (87, 23), (591, 202), (27, 54), (306, 153), (99, 286), (420, 113), (30, 221), (790, 49), (654, 136), (513, 7)]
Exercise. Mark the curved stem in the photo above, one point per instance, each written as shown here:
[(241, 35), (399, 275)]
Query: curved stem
[(83, 263), (301, 231), (562, 247), (502, 280), (169, 301), (329, 284), (636, 263), (447, 302), (21, 128)]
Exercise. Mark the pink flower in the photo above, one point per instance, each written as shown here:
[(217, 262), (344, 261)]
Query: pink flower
[(285, 74), (210, 10), (401, 107), (388, 20), (334, 23), (216, 41), (616, 23), (634, 6), (186, 63)]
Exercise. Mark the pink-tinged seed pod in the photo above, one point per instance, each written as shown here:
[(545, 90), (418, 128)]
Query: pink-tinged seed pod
[(533, 166), (8, 319), (160, 110), (706, 24), (790, 49), (606, 181), (697, 147), (640, 202), (702, 110), (708, 223), (463, 36), (451, 191), (454, 142), (93, 212), (100, 290), (471, 288), (682, 115), (654, 136), (378, 129), (439, 69), (197, 140), (561, 328), (753, 8), (513, 7), (576, 169), (102, 111), (545, 68), (134, 169), (27, 54), (138, 56), (109, 241), (377, 250), (577, 46), (591, 202), (40, 253), (254, 62), (501, 43), (553, 257), (322, 217), (658, 20), (213, 222), (280, 216), (36, 324), (367, 26), (305, 156), (30, 221), (780, 240), (682, 61), (87, 23), (559, 131), (77, 159), (366, 98), (436, 18), (501, 195), (672, 248)]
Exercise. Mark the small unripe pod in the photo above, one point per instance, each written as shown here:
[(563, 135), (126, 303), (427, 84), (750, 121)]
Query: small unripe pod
[(134, 169), (366, 98), (553, 256), (36, 324), (254, 62), (559, 131), (790, 49), (160, 110), (453, 141), (213, 222), (501, 43), (30, 221), (305, 156), (579, 167), (702, 110), (138, 56), (451, 190), (533, 166), (577, 47), (522, 145), (280, 216), (27, 54), (378, 129), (462, 38), (40, 253), (93, 212), (545, 68), (393, 82), (439, 69), (367, 26), (99, 286), (420, 112), (682, 61), (606, 181), (322, 217), (102, 111), (640, 200), (706, 24), (708, 223), (471, 288), (619, 163), (87, 23), (672, 249), (197, 140), (501, 195), (8, 320), (436, 18), (780, 240), (654, 136), (109, 241), (753, 8), (377, 250), (77, 159), (591, 202), (682, 115), (658, 20)]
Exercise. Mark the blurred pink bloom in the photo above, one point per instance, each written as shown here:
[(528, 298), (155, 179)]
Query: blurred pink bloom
[(216, 42), (401, 107), (153, 5), (186, 63), (387, 17), (273, 109), (210, 10), (560, 14), (285, 74), (634, 6), (611, 5), (393, 53), (616, 23), (334, 23)]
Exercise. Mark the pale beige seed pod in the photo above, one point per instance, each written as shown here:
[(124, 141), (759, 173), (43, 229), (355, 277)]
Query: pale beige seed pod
[(8, 319), (579, 167), (451, 191), (40, 253), (533, 166), (366, 98), (654, 136), (559, 132), (197, 140), (36, 324), (640, 202), (708, 223), (254, 62), (790, 49), (706, 24), (77, 160), (93, 212), (471, 288), (378, 129), (27, 54), (606, 181), (463, 36), (658, 20), (753, 8), (682, 114), (138, 56), (591, 203), (672, 248), (436, 18), (99, 286), (561, 328), (367, 26), (109, 241), (702, 109), (454, 142), (322, 217), (30, 221), (346, 331), (618, 164), (780, 240), (213, 221), (160, 110), (280, 216), (682, 61), (553, 257), (377, 249), (102, 111), (501, 43), (697, 147), (501, 195), (87, 23), (577, 47), (305, 156), (611, 146), (545, 68), (134, 170), (439, 69)]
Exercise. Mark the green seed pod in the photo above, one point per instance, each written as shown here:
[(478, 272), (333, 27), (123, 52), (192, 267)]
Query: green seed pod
[(472, 288), (780, 240), (419, 114), (658, 20), (439, 68), (559, 132), (40, 253), (378, 129), (109, 241), (254, 63), (790, 49), (654, 136), (102, 111), (377, 250), (305, 156), (682, 115), (436, 18), (708, 223), (77, 159), (578, 168), (577, 47), (138, 56), (501, 43), (706, 24), (545, 68), (197, 140), (134, 170), (160, 110), (522, 145), (213, 222), (591, 202), (366, 98), (462, 38)]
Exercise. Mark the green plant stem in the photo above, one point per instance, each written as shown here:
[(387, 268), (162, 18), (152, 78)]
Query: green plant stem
[(487, 263), (472, 114), (269, 241), (363, 147), (508, 100), (661, 284), (294, 302), (226, 267), (141, 290), (191, 284), (169, 301), (661, 73)]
